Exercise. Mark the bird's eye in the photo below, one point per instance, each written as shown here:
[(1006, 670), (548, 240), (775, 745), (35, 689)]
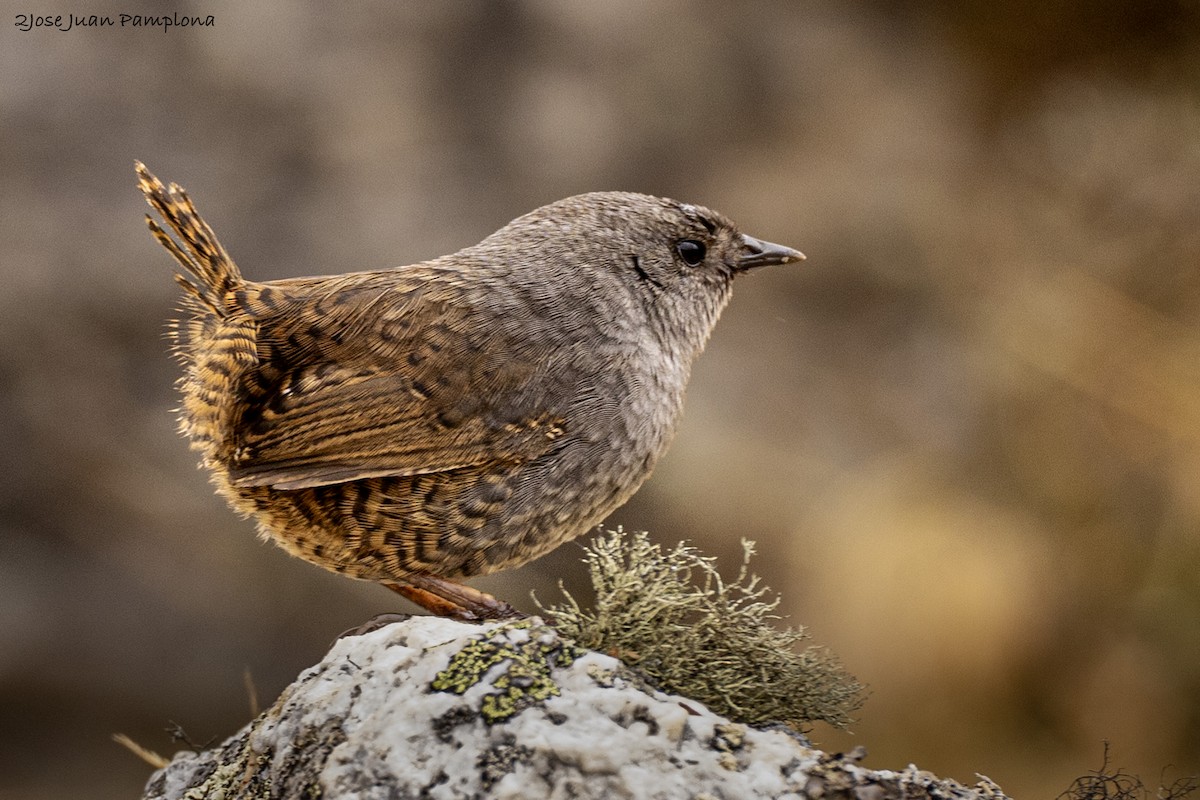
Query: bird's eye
[(691, 251)]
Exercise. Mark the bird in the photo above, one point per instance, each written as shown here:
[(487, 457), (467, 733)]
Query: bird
[(419, 425)]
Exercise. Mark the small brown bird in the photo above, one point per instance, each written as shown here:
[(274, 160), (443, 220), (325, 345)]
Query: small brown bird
[(422, 424)]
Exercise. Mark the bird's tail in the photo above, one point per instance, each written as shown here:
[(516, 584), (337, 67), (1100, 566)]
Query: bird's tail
[(207, 273), (214, 340)]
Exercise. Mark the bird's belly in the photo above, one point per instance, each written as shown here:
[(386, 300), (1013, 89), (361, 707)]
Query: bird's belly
[(475, 520), (569, 491)]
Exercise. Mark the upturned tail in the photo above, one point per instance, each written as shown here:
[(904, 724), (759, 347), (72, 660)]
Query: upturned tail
[(215, 340), (207, 274)]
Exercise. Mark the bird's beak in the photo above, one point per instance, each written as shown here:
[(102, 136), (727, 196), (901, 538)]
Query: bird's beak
[(757, 253)]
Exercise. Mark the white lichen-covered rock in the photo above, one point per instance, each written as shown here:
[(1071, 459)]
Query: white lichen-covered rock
[(429, 708)]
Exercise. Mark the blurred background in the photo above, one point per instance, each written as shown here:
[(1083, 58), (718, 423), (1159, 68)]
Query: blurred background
[(965, 433)]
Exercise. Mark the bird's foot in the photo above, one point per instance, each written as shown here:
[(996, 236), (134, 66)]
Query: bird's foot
[(454, 600)]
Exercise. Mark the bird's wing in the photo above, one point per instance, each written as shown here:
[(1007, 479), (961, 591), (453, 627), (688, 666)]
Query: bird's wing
[(383, 376)]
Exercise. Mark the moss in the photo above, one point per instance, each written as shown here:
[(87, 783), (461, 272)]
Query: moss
[(526, 680), (671, 615)]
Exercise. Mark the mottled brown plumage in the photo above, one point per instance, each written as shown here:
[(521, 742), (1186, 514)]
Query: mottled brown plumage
[(426, 423)]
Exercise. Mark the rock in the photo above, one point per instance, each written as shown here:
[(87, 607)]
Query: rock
[(433, 708)]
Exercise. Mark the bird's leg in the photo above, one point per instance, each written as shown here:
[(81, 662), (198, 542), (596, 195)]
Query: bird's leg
[(440, 597), (449, 599)]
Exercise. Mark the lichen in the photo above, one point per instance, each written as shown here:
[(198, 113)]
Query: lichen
[(671, 616), (502, 759), (1108, 784), (237, 770), (529, 658)]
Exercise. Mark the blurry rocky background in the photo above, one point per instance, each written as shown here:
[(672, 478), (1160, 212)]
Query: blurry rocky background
[(965, 433)]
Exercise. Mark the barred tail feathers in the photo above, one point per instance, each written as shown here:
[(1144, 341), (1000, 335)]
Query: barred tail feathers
[(215, 340), (207, 272)]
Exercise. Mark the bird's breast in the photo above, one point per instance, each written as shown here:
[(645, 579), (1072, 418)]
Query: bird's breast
[(627, 416)]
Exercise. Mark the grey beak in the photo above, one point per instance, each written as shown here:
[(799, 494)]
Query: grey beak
[(757, 253)]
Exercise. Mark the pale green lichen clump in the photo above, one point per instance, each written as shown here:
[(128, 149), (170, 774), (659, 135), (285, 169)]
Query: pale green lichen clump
[(529, 660), (673, 617)]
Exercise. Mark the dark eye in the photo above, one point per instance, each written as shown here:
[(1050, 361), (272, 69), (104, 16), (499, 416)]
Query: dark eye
[(691, 251)]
